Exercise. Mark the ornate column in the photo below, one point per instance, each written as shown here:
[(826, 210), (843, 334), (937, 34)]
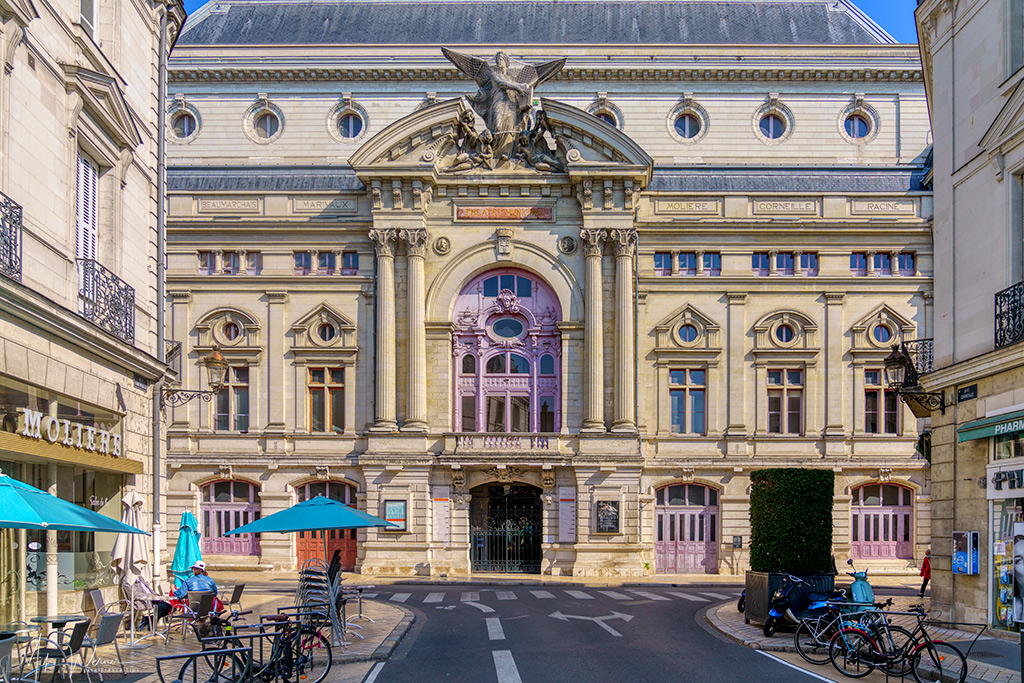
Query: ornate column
[(416, 247), (625, 368), (593, 398), (384, 405)]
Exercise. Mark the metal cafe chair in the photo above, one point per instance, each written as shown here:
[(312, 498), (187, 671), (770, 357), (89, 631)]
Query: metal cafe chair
[(198, 604), (105, 635), (47, 653)]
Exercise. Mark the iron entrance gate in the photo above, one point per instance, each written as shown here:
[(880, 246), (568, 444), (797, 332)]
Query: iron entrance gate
[(506, 529)]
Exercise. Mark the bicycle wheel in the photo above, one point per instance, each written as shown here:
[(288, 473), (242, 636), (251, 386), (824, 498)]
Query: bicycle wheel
[(212, 667), (811, 639), (313, 658), (852, 653), (898, 644), (939, 659)]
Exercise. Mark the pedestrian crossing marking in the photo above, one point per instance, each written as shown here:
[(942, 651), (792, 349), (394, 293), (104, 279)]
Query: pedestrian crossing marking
[(613, 595), (506, 595), (717, 595), (471, 596), (434, 597), (369, 595), (401, 597), (650, 596), (580, 595), (687, 596), (543, 594), (494, 629)]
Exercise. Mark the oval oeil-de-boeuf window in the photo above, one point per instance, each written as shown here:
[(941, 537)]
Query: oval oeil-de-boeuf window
[(507, 328)]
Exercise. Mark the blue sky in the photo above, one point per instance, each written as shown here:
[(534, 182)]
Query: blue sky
[(895, 16)]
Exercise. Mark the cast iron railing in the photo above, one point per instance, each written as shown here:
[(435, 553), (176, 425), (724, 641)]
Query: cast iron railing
[(106, 300), (921, 353), (1010, 315), (10, 238)]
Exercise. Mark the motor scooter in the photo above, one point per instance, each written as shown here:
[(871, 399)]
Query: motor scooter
[(795, 600), (860, 589)]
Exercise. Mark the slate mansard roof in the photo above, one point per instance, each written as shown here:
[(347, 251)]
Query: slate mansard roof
[(343, 179), (556, 22)]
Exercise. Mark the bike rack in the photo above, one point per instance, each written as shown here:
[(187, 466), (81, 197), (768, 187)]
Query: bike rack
[(243, 676)]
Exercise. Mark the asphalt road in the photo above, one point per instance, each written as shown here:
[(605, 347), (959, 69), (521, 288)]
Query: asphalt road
[(527, 634)]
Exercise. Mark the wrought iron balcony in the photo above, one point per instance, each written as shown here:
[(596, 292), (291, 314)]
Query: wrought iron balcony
[(921, 353), (10, 238), (106, 300), (1010, 315)]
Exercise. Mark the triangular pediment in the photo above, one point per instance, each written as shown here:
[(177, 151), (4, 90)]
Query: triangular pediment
[(1009, 122), (325, 313), (323, 329), (883, 314), (104, 102), (23, 10), (427, 141), (880, 329), (687, 329)]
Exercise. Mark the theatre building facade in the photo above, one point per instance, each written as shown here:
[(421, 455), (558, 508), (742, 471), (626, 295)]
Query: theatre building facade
[(548, 321)]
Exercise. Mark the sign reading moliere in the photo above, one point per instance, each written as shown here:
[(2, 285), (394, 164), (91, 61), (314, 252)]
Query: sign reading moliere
[(72, 434), (689, 206), (504, 213)]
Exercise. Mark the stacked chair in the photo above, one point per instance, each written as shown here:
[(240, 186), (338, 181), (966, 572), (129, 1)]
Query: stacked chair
[(319, 591)]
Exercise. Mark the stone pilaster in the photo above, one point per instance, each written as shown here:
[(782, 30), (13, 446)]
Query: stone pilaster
[(416, 247), (735, 370), (384, 405), (593, 397), (835, 372), (277, 322), (625, 370)]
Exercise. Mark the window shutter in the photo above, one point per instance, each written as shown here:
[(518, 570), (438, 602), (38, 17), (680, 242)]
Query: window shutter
[(88, 176)]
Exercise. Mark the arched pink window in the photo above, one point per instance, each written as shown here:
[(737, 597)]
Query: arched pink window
[(881, 524), (507, 354)]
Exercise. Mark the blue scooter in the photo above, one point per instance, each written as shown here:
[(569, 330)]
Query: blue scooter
[(794, 600)]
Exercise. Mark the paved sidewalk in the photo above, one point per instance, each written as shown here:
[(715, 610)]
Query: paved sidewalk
[(726, 619)]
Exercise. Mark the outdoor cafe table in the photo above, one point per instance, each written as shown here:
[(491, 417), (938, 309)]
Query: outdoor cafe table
[(60, 621)]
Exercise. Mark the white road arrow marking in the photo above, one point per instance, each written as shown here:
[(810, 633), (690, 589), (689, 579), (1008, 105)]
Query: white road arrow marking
[(600, 621), (480, 606)]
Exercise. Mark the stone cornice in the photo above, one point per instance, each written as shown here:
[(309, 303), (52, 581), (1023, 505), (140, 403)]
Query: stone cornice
[(697, 73)]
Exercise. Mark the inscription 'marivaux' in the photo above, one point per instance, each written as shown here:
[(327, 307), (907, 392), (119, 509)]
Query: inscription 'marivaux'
[(71, 434), (306, 204)]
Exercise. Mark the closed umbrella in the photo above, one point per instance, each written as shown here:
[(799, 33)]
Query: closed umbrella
[(130, 556), (316, 514), (187, 551), (26, 507)]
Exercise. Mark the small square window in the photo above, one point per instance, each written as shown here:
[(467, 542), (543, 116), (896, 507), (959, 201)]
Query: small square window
[(662, 263), (859, 263), (303, 263), (712, 263), (759, 263), (907, 263), (809, 263), (688, 263), (883, 264), (349, 262), (784, 263), (326, 262)]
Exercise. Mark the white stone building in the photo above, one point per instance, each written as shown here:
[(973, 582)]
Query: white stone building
[(566, 368), (80, 290)]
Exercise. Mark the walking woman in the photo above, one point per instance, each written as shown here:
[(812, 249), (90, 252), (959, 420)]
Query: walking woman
[(926, 571)]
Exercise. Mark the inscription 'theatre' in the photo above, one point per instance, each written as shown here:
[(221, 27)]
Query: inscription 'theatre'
[(504, 213)]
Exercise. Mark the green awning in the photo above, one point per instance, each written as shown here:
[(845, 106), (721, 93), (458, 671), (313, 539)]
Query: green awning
[(1010, 423)]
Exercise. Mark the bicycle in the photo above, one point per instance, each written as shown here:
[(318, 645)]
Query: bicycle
[(856, 650), (297, 650), (813, 634)]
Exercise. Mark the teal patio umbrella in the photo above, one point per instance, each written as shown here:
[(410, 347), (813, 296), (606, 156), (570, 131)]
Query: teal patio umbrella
[(316, 514), (187, 551), (26, 507)]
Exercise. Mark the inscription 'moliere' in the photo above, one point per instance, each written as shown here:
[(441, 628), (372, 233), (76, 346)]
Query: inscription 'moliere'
[(690, 206), (75, 434)]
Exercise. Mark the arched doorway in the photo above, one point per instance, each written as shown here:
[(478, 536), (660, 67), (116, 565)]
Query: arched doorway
[(226, 505), (686, 537), (310, 544), (881, 522), (506, 521)]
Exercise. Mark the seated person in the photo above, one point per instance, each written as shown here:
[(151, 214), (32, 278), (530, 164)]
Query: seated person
[(141, 588), (199, 581)]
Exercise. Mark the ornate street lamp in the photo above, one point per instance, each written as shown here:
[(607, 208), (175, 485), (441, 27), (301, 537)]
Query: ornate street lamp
[(901, 376), (216, 372)]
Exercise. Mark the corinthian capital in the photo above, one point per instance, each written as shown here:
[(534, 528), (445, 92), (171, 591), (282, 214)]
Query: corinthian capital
[(384, 241), (592, 241), (415, 241), (624, 241)]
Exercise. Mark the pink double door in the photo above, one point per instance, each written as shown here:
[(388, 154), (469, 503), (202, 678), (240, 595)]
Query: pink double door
[(881, 522), (227, 505), (686, 533)]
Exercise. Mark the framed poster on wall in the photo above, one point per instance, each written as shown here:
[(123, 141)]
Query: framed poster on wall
[(607, 516), (394, 512)]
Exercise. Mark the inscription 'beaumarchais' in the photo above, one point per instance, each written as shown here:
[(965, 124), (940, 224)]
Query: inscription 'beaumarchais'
[(72, 434)]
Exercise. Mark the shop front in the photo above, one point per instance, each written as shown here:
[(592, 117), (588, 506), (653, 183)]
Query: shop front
[(74, 450), (1004, 483)]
